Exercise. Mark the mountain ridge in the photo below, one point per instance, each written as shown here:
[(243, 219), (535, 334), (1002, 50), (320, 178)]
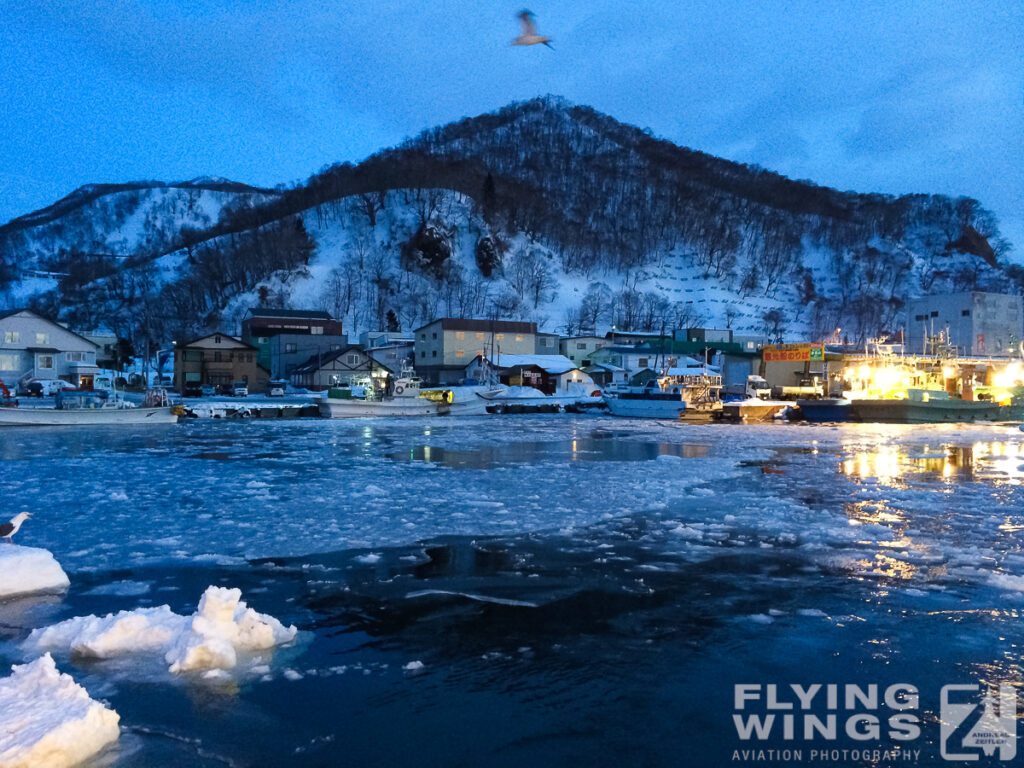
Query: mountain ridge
[(542, 208)]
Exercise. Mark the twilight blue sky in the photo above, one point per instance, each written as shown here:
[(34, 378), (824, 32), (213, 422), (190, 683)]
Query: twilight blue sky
[(894, 96)]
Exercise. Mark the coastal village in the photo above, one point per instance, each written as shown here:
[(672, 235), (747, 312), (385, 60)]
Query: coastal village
[(958, 359)]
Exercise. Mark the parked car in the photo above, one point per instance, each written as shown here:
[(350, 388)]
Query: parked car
[(44, 387), (275, 391), (209, 391), (240, 389)]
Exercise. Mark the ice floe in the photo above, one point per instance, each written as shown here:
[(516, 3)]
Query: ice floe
[(211, 638), (49, 719), (28, 570)]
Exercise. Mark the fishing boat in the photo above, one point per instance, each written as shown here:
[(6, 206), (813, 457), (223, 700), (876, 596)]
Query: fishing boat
[(684, 394), (922, 406), (91, 407), (406, 398), (825, 409)]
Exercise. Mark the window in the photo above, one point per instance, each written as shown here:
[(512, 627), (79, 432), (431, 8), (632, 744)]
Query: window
[(75, 357), (935, 313), (480, 336), (434, 335), (581, 345), (248, 358), (352, 359), (459, 353), (335, 347), (460, 335), (45, 361), (423, 336), (7, 362), (11, 337), (434, 353), (500, 337), (42, 338), (965, 313), (422, 354), (216, 339), (193, 355), (642, 362), (216, 356), (290, 347), (316, 330), (519, 337)]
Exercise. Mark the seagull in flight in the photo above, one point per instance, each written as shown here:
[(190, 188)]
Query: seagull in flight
[(7, 530), (529, 35)]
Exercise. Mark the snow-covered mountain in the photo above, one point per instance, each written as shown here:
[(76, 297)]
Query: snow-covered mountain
[(542, 210)]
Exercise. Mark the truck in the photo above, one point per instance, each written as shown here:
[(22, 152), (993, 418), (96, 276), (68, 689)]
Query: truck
[(757, 388)]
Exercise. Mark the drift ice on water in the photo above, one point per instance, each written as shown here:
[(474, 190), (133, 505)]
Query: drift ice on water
[(49, 719), (29, 570), (209, 639)]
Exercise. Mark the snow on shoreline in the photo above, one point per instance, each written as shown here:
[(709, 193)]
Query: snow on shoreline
[(29, 570), (49, 719), (210, 639)]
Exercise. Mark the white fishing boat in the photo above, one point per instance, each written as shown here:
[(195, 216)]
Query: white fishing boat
[(406, 398), (89, 407), (685, 394)]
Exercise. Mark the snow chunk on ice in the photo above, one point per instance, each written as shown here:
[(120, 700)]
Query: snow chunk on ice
[(368, 559), (222, 626), (50, 719), (27, 570), (414, 666), (208, 639)]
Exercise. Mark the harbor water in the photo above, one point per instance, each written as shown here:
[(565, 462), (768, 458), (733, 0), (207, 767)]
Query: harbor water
[(544, 590)]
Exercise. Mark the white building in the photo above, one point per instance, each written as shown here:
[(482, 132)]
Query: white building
[(33, 347), (580, 348), (979, 324)]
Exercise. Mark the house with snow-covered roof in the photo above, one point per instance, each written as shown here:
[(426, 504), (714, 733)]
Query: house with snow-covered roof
[(548, 373)]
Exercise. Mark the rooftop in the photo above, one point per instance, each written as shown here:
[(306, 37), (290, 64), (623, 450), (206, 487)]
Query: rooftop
[(497, 326), (553, 364), (291, 314)]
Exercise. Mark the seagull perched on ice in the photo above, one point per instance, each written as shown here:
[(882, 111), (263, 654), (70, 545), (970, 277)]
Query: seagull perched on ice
[(7, 530), (529, 35)]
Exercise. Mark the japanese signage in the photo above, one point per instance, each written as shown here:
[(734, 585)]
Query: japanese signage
[(793, 353)]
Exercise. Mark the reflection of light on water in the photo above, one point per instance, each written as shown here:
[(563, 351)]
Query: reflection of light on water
[(1000, 462), (884, 565), (886, 561)]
